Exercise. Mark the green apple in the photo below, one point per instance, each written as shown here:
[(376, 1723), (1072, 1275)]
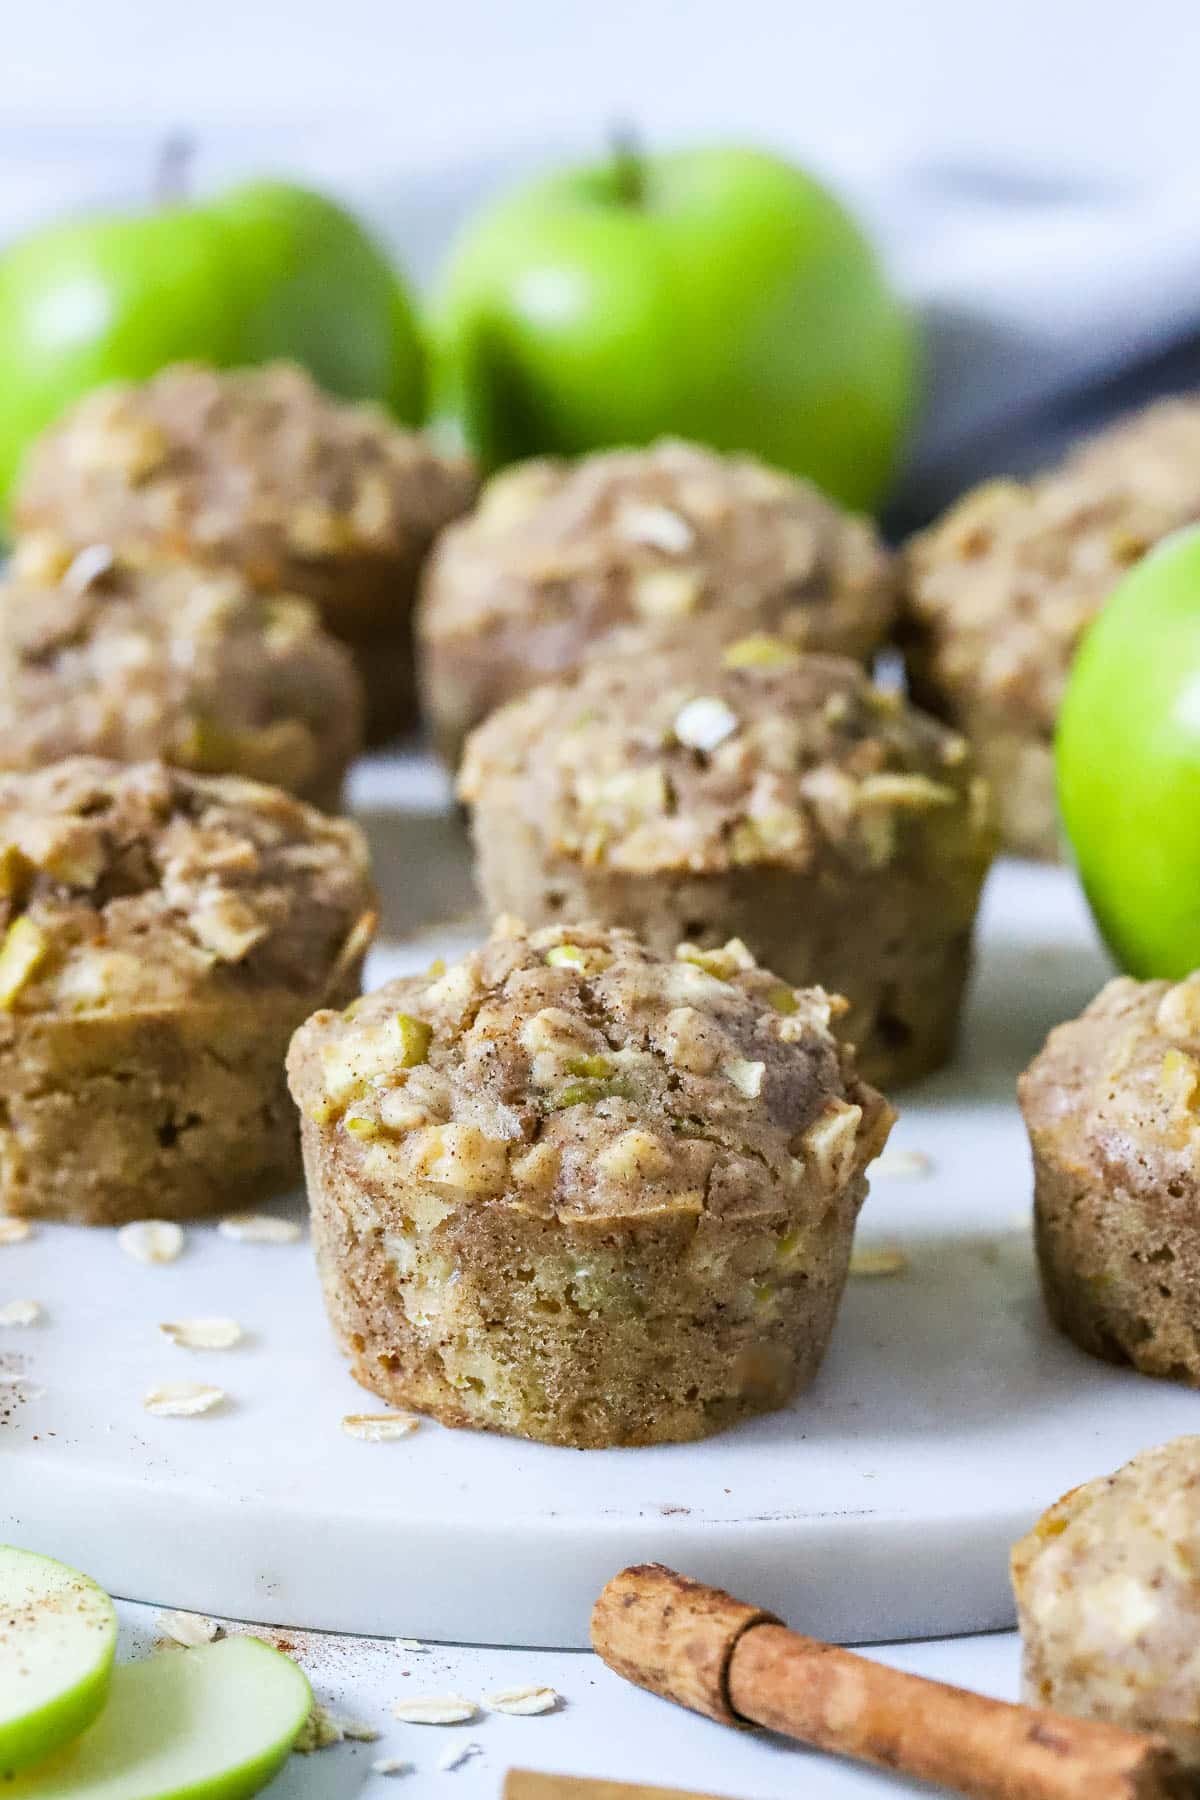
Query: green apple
[(1128, 757), (269, 270), (214, 1723), (58, 1634), (715, 294)]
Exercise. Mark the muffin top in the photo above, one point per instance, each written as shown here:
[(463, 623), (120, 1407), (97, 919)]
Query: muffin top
[(1116, 1092), (661, 537), (1109, 1577), (571, 1072), (257, 466), (140, 887), (690, 758), (182, 663), (1008, 580)]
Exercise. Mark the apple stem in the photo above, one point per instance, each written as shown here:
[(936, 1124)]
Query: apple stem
[(172, 175), (628, 165)]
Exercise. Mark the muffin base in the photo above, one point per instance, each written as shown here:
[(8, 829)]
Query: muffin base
[(1116, 1288), (1019, 768), (897, 948), (1016, 756), (588, 1333), (168, 1115), (367, 605), (384, 661)]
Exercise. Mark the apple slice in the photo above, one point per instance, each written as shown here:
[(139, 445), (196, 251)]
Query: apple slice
[(58, 1633), (208, 1724)]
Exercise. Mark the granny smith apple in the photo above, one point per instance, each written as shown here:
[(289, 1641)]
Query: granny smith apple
[(716, 294), (269, 270), (214, 1723), (58, 1634), (1128, 757)]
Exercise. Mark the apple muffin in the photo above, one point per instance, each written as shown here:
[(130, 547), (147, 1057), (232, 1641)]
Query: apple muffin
[(1112, 1105), (673, 540), (697, 794), (998, 595), (161, 936), (1108, 1599), (259, 470), (577, 1191), (182, 664)]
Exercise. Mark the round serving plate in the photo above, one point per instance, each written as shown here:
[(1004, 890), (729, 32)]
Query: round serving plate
[(881, 1505)]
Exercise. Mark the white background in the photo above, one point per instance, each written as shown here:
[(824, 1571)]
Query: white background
[(1093, 85), (1031, 168)]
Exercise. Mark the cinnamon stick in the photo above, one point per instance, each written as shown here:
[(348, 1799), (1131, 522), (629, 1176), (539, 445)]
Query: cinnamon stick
[(523, 1784), (705, 1650)]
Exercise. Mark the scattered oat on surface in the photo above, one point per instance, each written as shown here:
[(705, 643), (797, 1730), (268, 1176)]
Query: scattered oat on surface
[(380, 1428), (182, 1399), (357, 1731), (20, 1312), (434, 1709), (902, 1165), (15, 1231), (203, 1334), (522, 1702), (391, 1765), (409, 1644), (152, 1240), (457, 1754), (189, 1629), (259, 1228), (879, 1259)]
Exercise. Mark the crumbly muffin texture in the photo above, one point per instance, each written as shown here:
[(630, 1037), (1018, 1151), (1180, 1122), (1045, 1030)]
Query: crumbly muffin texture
[(1113, 1109), (754, 792), (576, 1191), (1108, 1597), (161, 936), (259, 470), (182, 664), (668, 541), (1001, 590)]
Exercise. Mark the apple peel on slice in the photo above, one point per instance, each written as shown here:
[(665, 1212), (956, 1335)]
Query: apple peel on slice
[(58, 1635), (214, 1723)]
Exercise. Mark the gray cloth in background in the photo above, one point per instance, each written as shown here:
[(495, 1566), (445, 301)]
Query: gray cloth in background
[(1052, 300)]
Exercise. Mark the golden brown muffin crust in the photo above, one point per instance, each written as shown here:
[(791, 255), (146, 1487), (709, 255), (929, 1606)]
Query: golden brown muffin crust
[(180, 663), (163, 935), (149, 887), (1113, 1109), (560, 555), (699, 794), (999, 593), (1108, 1597), (257, 468), (571, 1072), (753, 756), (583, 1193)]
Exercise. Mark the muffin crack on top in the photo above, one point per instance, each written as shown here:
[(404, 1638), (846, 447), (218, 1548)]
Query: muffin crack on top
[(574, 1189)]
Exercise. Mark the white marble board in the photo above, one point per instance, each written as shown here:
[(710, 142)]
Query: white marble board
[(881, 1505)]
